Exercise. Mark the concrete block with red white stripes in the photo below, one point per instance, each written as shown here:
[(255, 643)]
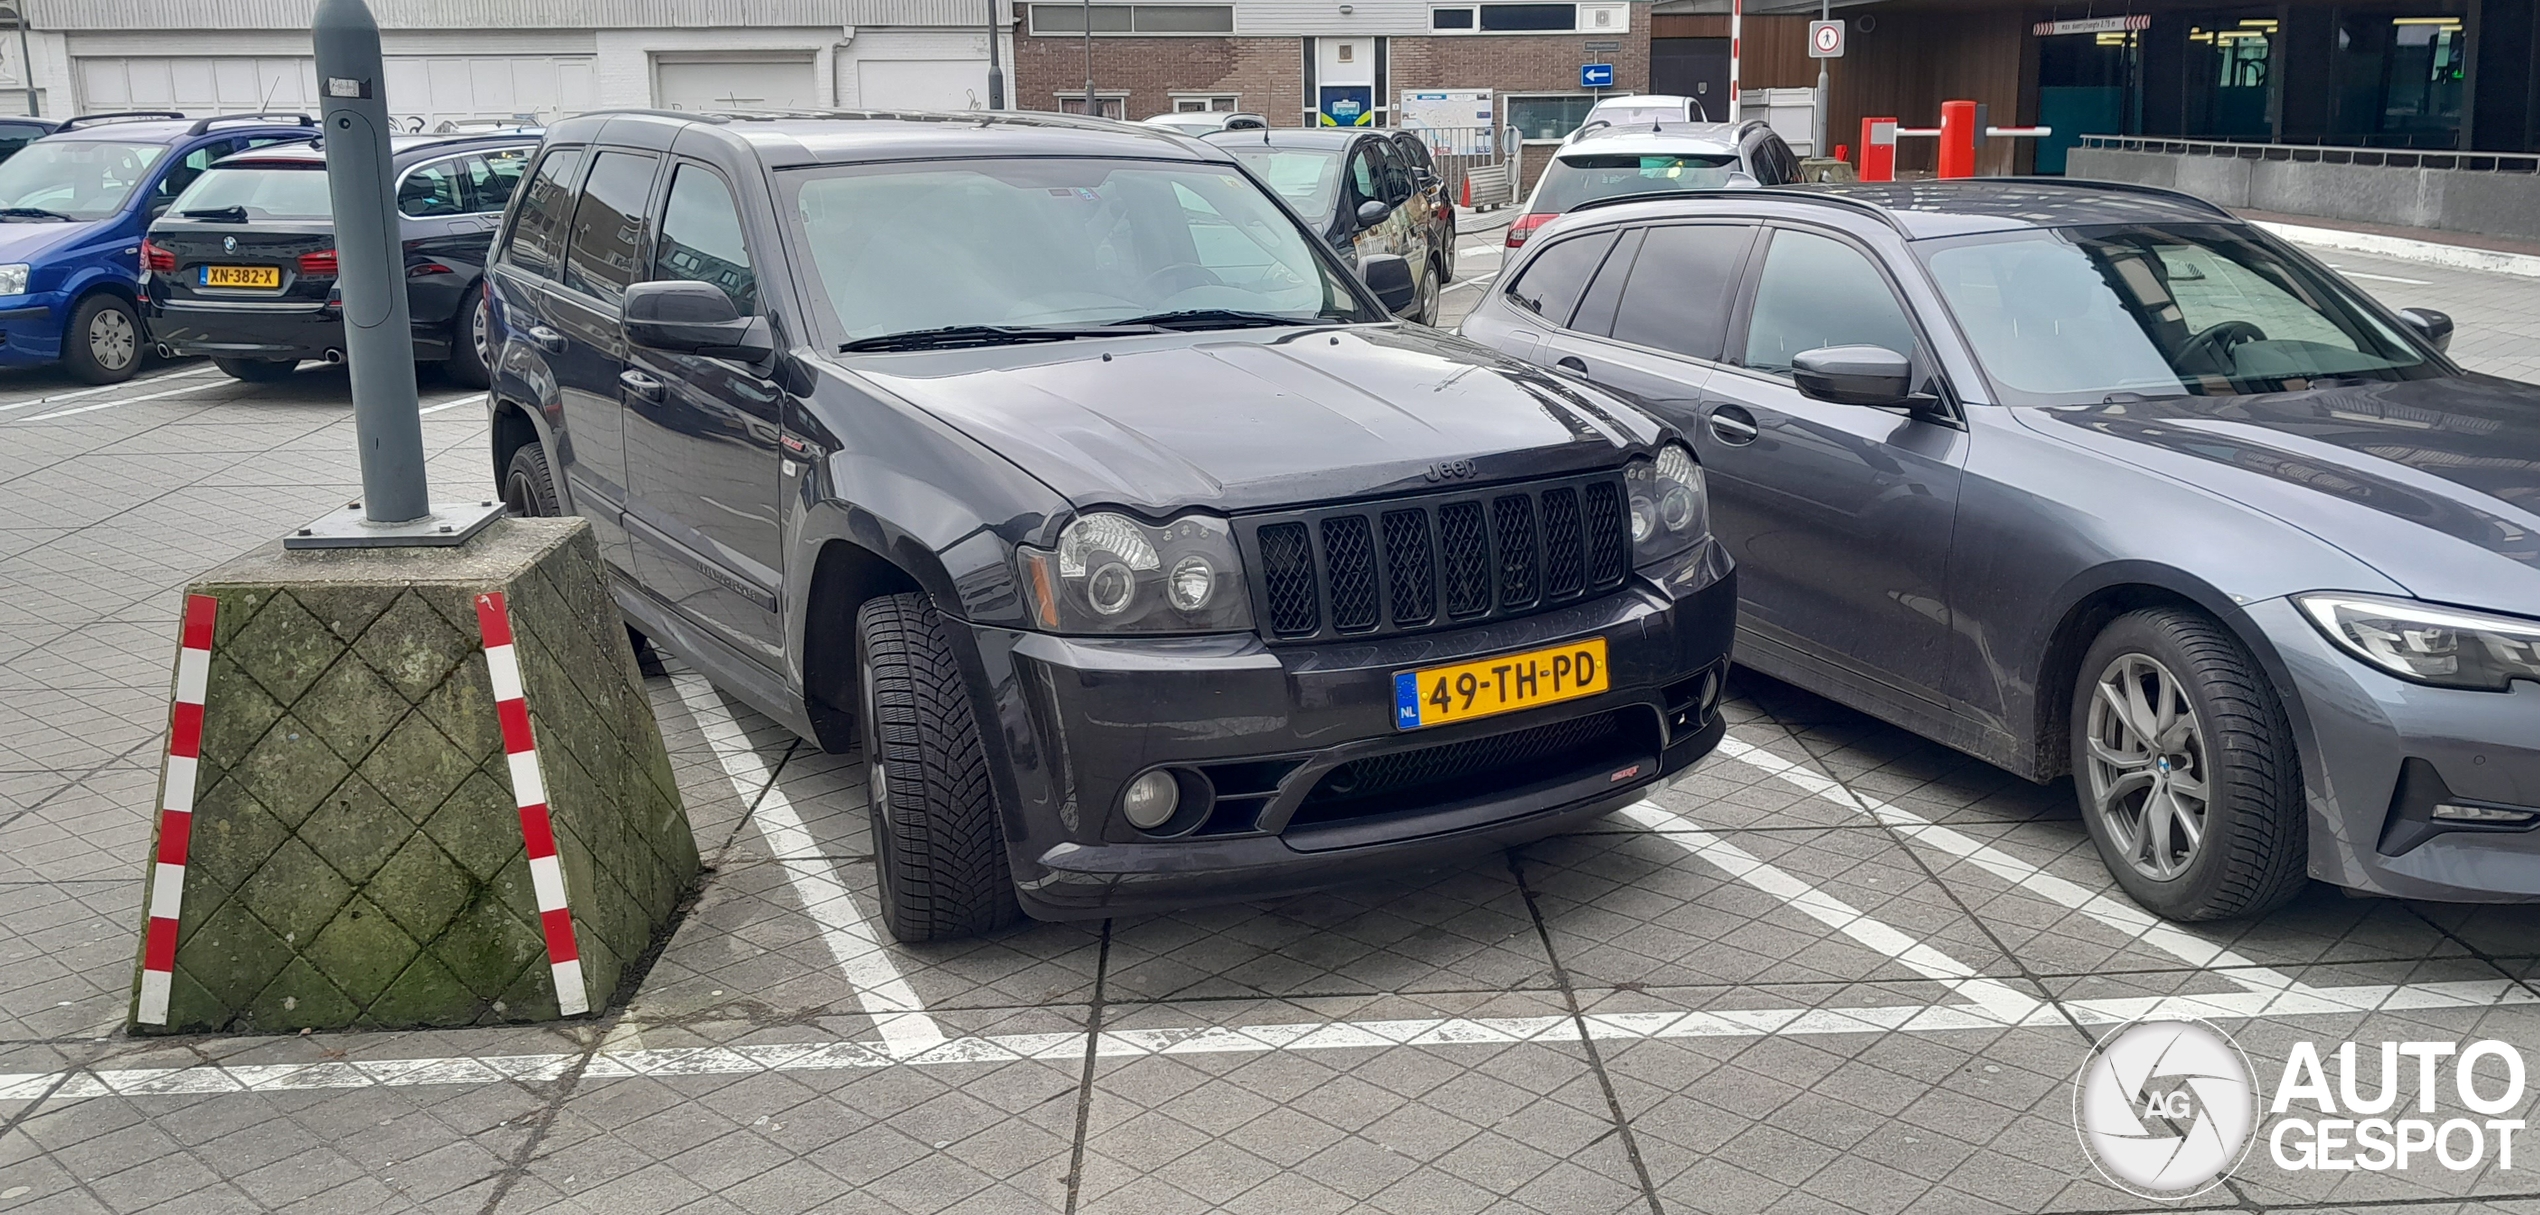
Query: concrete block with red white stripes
[(404, 788)]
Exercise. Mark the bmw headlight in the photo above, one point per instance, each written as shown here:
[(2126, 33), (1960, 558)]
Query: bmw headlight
[(13, 278), (1114, 574), (2428, 643), (1671, 509)]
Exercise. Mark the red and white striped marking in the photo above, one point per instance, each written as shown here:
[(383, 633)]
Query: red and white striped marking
[(176, 809), (530, 790)]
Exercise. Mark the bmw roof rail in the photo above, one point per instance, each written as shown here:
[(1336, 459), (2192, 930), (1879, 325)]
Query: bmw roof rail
[(294, 119), (2129, 187), (1865, 207), (105, 117)]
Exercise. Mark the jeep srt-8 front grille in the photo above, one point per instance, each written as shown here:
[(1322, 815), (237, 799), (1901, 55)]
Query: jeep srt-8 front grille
[(1437, 560)]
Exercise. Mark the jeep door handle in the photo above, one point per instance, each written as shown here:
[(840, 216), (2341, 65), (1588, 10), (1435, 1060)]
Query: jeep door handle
[(1731, 424), (546, 339), (1574, 365), (639, 385)]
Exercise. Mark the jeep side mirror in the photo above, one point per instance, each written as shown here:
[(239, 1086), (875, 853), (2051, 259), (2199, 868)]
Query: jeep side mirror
[(2434, 327), (1389, 276), (1853, 375), (1372, 213), (694, 318)]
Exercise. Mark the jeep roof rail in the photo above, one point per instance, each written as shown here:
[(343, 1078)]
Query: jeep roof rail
[(1871, 209), (294, 119), (104, 117)]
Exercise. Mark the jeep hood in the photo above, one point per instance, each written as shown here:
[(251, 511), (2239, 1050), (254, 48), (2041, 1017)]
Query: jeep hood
[(2433, 482), (1239, 420)]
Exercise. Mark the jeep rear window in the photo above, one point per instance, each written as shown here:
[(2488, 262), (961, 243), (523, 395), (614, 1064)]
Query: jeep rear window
[(1056, 242)]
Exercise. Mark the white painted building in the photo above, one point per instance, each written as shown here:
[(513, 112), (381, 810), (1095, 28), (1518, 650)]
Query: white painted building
[(451, 59)]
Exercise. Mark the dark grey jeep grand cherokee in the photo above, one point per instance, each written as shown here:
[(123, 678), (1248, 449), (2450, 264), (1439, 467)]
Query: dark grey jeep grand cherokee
[(1053, 461)]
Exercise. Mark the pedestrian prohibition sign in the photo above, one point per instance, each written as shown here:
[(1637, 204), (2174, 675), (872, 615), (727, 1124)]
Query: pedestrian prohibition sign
[(1825, 40)]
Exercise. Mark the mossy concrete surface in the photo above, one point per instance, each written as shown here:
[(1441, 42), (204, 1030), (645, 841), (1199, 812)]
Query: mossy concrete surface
[(356, 856)]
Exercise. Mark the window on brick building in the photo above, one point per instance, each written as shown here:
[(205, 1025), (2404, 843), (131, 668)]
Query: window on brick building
[(1112, 105), (1450, 18), (1542, 118), (1529, 18), (1135, 18), (1206, 105)]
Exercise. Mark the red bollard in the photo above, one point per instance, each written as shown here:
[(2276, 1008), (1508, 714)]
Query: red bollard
[(1957, 139), (1878, 149)]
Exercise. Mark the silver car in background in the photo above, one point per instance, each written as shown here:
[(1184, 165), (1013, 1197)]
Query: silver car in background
[(2105, 482)]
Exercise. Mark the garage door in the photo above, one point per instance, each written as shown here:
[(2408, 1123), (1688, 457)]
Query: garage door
[(726, 84), (922, 84), (422, 91)]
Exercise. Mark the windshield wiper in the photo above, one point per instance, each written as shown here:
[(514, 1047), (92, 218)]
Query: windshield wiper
[(233, 213), (30, 213), (1217, 318), (987, 335)]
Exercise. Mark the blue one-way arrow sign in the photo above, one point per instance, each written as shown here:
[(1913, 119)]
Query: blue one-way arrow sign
[(1596, 75)]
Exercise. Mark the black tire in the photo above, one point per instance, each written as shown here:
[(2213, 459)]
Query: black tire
[(1424, 307), (466, 364), (2252, 855), (529, 487), (105, 342), (257, 371), (937, 846), (1446, 257)]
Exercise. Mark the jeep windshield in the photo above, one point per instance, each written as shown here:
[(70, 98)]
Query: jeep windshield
[(2084, 315), (79, 179), (980, 252)]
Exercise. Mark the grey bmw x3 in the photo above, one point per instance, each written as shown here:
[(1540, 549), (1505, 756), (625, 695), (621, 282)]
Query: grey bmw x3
[(2106, 482), (1055, 464)]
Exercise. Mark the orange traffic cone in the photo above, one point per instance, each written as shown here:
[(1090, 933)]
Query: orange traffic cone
[(1468, 191)]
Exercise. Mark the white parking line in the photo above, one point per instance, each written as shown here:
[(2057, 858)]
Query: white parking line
[(452, 402), (880, 989), (1472, 282), (84, 393), (2379, 278), (148, 396), (2134, 922)]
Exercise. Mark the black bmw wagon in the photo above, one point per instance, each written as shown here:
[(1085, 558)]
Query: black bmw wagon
[(1057, 467)]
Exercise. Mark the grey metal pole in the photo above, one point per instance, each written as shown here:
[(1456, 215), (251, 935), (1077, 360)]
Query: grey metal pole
[(1817, 138), (1092, 109), (26, 60), (996, 74), (378, 335)]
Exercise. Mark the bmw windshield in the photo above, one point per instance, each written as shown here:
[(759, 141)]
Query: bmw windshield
[(2080, 315), (1576, 178), (977, 251), (80, 179)]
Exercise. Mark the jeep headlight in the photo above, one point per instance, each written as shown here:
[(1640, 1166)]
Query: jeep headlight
[(1670, 508), (1114, 574), (13, 278), (2427, 643)]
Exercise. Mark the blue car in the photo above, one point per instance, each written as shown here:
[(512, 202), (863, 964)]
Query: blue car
[(73, 207)]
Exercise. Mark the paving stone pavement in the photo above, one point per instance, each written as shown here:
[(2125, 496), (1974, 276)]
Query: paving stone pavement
[(1833, 968)]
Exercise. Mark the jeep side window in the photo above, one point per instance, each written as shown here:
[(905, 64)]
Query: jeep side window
[(608, 225), (700, 237), (537, 239), (1551, 283)]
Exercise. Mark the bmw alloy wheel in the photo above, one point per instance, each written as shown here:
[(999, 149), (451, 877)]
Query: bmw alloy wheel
[(2146, 769), (479, 331), (112, 340)]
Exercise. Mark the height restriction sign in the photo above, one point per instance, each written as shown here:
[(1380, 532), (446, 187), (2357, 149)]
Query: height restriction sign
[(1825, 40)]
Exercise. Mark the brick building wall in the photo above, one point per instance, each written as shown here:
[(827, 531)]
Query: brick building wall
[(1268, 73)]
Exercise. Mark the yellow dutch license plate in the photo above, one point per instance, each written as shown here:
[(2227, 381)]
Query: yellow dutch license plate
[(242, 276), (1501, 684)]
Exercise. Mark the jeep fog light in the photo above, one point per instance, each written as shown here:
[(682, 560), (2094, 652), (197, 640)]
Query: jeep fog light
[(1149, 801), (1192, 583)]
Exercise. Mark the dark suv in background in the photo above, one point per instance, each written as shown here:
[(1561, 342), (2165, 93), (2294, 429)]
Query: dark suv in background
[(1150, 561), (242, 267)]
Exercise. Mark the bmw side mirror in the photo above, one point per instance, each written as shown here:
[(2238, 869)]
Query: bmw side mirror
[(1372, 213), (2434, 327), (695, 318), (1854, 375), (1389, 276), (1742, 181)]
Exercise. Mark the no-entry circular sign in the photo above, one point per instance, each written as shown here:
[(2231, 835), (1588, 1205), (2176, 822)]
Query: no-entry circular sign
[(1825, 40)]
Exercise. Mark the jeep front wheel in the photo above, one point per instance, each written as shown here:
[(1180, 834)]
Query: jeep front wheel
[(936, 843)]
